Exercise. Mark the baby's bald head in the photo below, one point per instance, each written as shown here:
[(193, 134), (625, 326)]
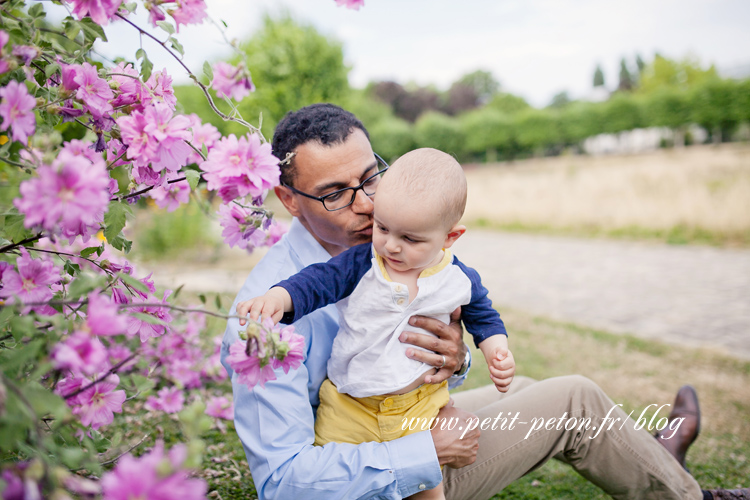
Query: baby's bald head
[(431, 178)]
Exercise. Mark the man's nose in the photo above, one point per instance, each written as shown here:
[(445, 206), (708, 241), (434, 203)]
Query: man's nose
[(362, 203)]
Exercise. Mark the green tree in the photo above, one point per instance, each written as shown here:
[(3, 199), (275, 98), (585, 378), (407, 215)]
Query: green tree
[(391, 137), (538, 129), (488, 132), (670, 107), (581, 120), (508, 104), (292, 65), (560, 100), (598, 76), (716, 107), (483, 83), (684, 74), (622, 112), (440, 131), (626, 79)]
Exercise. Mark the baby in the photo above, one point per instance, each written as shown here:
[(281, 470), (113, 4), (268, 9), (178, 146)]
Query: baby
[(373, 389)]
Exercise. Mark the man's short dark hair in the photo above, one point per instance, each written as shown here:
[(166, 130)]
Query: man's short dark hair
[(325, 123)]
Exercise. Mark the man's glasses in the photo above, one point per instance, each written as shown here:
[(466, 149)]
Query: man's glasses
[(342, 198)]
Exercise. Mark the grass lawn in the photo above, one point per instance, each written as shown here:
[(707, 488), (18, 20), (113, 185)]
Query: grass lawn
[(632, 371)]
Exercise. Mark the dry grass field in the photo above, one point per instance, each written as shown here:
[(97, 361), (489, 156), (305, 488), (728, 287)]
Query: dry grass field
[(696, 194)]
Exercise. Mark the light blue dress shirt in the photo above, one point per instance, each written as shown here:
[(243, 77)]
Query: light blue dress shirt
[(276, 423)]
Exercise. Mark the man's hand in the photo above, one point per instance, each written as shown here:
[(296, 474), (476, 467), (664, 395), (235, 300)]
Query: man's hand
[(499, 360), (456, 447), (449, 343), (272, 305)]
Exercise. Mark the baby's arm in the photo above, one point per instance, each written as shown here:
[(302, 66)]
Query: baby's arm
[(500, 361), (273, 304)]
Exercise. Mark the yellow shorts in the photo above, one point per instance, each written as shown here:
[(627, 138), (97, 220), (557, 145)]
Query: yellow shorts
[(346, 419)]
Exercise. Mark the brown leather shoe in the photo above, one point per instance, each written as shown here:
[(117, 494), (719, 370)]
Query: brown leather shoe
[(685, 406), (721, 494)]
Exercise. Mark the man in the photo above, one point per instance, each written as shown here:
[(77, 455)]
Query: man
[(325, 149)]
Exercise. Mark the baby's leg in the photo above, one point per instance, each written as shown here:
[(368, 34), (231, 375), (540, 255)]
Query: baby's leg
[(435, 493)]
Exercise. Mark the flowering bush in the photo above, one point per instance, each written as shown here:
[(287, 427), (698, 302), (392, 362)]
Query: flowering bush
[(83, 335)]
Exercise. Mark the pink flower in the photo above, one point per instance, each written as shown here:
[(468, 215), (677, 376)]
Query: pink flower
[(231, 82), (155, 137), (100, 402), (17, 110), (153, 477), (237, 168), (220, 407), (102, 316), (31, 283), (160, 87), (204, 134), (248, 368), (189, 12), (168, 400), (275, 231), (170, 196), (155, 14), (145, 329), (241, 226), (68, 198), (26, 53), (130, 89), (93, 91), (4, 66), (80, 353), (100, 11), (351, 4), (292, 348)]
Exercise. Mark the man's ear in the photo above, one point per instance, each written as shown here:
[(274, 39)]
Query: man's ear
[(454, 234), (287, 198)]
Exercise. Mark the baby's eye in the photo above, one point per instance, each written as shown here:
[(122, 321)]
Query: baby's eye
[(410, 240), (382, 229)]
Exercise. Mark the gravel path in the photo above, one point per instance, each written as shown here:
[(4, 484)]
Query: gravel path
[(690, 295)]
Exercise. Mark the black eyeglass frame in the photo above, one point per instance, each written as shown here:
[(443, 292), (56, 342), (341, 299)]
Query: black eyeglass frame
[(354, 189)]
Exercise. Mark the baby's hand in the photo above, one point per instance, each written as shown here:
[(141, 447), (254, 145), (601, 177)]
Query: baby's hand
[(499, 360), (271, 305)]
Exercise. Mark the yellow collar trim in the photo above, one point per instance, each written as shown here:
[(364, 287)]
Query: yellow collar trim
[(431, 271)]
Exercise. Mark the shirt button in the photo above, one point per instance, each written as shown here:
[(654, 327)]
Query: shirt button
[(422, 486), (388, 402), (399, 288), (400, 302)]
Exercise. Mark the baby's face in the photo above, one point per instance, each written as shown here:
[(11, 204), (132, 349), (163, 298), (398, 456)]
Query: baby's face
[(406, 233)]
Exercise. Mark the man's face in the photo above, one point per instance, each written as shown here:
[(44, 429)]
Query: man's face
[(320, 170)]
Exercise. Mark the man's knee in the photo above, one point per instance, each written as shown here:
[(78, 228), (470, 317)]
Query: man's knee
[(578, 384)]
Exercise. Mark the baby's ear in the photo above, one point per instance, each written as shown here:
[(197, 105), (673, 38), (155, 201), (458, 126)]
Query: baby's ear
[(454, 234)]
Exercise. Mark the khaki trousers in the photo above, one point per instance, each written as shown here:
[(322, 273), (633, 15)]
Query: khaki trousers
[(624, 462)]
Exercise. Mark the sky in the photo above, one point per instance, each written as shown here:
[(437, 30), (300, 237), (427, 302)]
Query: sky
[(535, 48)]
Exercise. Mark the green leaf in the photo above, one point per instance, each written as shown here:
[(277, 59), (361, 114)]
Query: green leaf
[(51, 69), (166, 26), (141, 383), (202, 298), (5, 314), (36, 10), (132, 282), (15, 358), (176, 292), (71, 269), (71, 29), (217, 301), (146, 65), (84, 284), (91, 30), (177, 45), (208, 71), (193, 176), (121, 243), (115, 219), (204, 150), (152, 320), (14, 228), (89, 250), (130, 7), (44, 401)]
